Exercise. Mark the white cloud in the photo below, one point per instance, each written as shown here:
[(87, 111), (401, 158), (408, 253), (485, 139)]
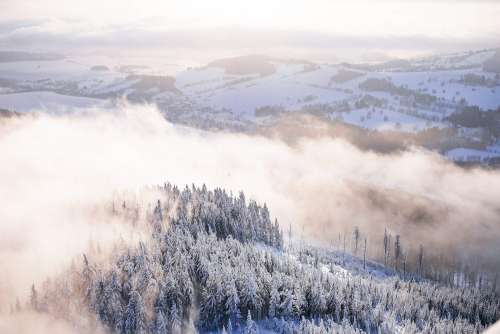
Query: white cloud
[(319, 27), (436, 18)]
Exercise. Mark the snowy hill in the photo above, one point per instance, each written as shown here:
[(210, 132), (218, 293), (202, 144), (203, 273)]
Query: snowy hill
[(217, 263), (245, 93)]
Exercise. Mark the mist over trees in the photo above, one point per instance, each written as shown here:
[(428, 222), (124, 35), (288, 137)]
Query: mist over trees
[(218, 262)]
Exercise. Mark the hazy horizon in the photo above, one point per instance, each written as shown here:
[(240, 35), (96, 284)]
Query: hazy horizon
[(194, 32)]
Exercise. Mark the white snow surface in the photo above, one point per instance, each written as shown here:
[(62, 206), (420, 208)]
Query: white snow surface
[(209, 91), (469, 154), (46, 101)]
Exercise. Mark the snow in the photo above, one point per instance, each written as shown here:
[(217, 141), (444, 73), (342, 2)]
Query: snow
[(469, 154), (456, 60), (444, 84), (483, 97), (200, 78), (320, 77), (495, 148), (243, 94), (387, 120), (36, 70), (53, 70), (47, 101), (210, 93), (290, 87)]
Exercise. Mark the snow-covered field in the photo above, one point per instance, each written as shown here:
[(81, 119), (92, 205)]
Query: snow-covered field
[(46, 101), (445, 85), (469, 154), (420, 94), (294, 86), (387, 120)]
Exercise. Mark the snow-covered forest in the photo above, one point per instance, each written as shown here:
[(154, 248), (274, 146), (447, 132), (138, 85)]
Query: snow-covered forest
[(243, 167), (214, 262)]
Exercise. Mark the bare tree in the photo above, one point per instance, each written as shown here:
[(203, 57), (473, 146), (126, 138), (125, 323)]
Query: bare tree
[(404, 263), (356, 236), (343, 253), (397, 251), (364, 256), (420, 260), (34, 298), (386, 246)]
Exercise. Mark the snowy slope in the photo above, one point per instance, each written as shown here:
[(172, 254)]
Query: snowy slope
[(46, 101), (469, 154), (224, 266), (245, 91), (294, 86)]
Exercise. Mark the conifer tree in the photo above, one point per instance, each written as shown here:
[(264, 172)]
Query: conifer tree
[(34, 298), (250, 327)]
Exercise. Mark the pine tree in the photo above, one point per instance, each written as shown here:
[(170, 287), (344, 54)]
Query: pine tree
[(232, 303), (175, 321), (157, 219), (160, 326), (34, 298), (297, 301), (206, 254), (274, 301), (287, 304), (250, 327), (249, 294), (135, 318)]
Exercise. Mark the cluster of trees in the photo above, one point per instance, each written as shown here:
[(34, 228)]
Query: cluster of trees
[(474, 117), (383, 85), (493, 64), (274, 110), (343, 76), (472, 79), (415, 261), (367, 101), (217, 263)]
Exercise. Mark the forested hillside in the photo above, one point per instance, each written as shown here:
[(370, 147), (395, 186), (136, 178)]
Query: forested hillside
[(213, 262)]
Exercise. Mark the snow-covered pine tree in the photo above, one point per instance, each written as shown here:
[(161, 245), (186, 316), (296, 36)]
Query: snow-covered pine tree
[(135, 316), (250, 326)]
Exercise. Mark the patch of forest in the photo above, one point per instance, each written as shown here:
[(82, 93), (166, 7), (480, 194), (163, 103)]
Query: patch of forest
[(217, 262)]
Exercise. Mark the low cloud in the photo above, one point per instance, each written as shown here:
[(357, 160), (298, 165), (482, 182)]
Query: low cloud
[(57, 170)]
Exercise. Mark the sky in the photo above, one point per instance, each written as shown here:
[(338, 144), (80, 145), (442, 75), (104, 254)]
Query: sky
[(316, 26)]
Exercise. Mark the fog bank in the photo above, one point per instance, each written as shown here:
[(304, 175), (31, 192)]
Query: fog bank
[(56, 170)]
